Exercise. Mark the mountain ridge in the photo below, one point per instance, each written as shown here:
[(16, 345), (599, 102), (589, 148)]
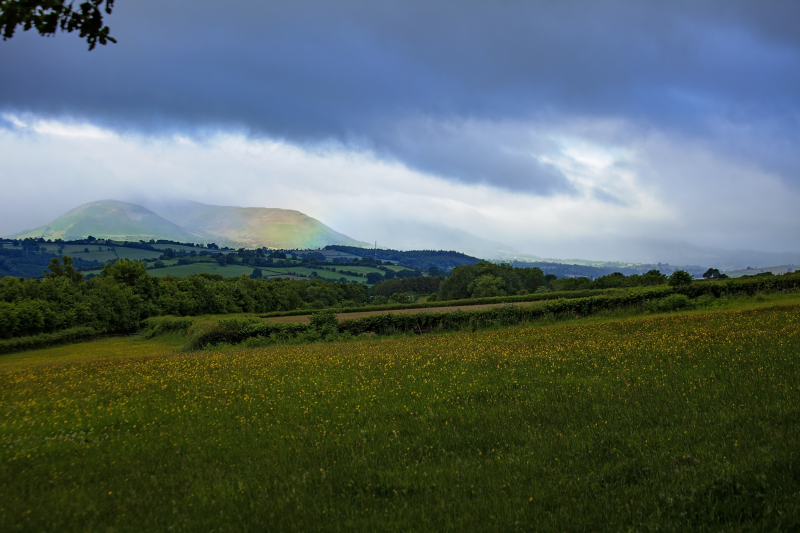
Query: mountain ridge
[(254, 226), (110, 219), (249, 227)]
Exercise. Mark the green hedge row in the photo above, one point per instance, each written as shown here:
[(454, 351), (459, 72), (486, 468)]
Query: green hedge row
[(166, 324), (663, 298), (503, 315), (234, 331), (522, 298), (741, 286), (577, 307), (43, 340)]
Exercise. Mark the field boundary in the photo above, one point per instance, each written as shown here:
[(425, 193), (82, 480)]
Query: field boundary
[(524, 298)]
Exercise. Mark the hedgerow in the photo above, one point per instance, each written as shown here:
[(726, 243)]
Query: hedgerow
[(234, 331), (520, 298), (659, 299), (500, 316), (669, 298), (44, 340)]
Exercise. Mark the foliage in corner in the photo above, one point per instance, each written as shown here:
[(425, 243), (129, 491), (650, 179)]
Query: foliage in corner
[(47, 16)]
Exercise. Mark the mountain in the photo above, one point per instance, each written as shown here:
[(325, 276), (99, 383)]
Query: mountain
[(253, 227), (250, 227), (111, 219)]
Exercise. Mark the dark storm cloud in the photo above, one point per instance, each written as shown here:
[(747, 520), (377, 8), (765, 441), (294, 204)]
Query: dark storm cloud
[(503, 155), (354, 71)]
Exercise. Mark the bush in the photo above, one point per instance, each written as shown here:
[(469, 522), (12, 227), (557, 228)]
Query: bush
[(742, 286), (324, 322), (44, 340), (166, 324), (484, 279), (680, 278), (234, 331), (417, 285), (673, 302), (403, 297), (487, 286), (706, 300)]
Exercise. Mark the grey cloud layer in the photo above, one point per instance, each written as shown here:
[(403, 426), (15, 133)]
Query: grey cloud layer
[(355, 71)]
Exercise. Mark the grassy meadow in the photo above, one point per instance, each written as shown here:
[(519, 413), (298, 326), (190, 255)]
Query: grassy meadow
[(688, 421), (211, 267), (182, 271), (106, 254)]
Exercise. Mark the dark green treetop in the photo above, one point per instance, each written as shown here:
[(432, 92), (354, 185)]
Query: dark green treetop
[(680, 277), (63, 269), (47, 16)]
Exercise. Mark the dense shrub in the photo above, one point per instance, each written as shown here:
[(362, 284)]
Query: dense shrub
[(44, 340), (489, 279), (673, 302), (324, 322), (167, 324), (234, 331), (746, 286), (417, 285), (680, 278), (615, 280)]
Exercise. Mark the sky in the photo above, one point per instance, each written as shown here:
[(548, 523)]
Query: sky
[(608, 130)]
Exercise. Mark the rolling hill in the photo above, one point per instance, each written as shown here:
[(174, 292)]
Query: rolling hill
[(254, 226), (111, 219), (248, 227)]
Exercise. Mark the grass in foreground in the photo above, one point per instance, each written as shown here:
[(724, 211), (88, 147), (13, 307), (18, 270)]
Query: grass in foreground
[(688, 422)]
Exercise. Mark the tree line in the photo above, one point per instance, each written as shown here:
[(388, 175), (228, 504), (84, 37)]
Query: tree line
[(124, 294), (485, 279)]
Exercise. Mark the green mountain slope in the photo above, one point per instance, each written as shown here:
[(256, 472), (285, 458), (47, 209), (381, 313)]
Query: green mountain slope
[(255, 226), (111, 219), (248, 227)]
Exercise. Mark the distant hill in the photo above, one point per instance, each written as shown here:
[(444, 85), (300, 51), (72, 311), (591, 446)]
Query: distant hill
[(248, 227), (253, 227), (111, 219)]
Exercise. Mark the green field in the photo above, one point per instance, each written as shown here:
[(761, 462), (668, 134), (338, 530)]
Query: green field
[(173, 269), (107, 254), (327, 274), (78, 251), (681, 422), (182, 271), (364, 270)]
